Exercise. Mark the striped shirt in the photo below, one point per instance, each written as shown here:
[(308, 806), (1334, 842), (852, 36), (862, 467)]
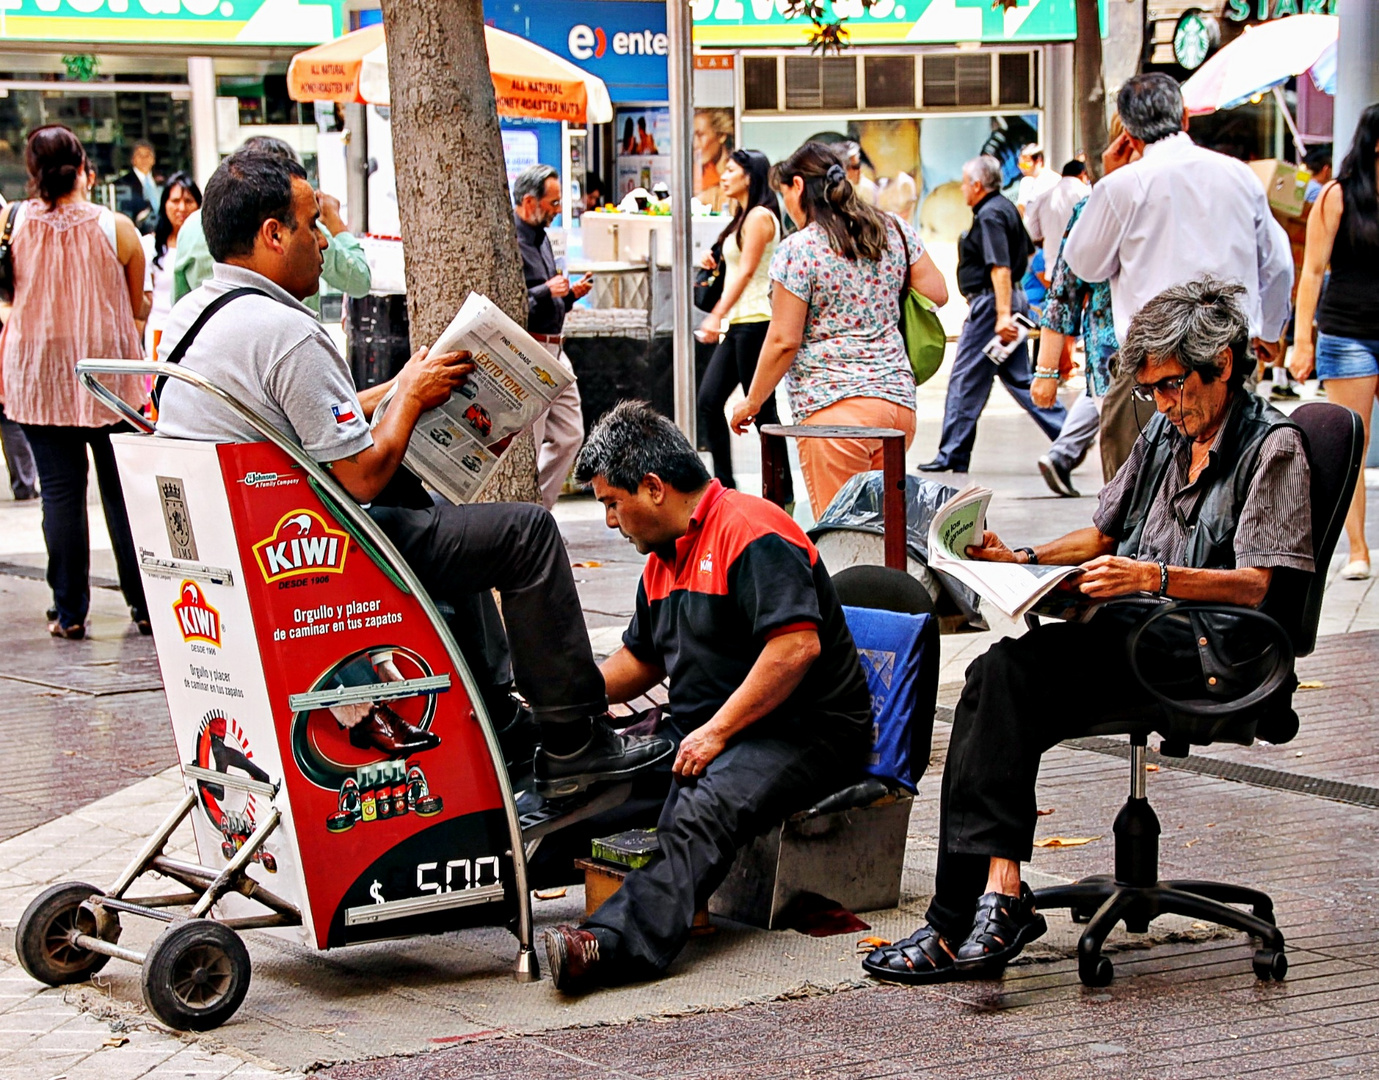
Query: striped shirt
[(1275, 526)]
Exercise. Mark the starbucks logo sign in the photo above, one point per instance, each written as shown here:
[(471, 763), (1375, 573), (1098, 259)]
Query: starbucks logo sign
[(1196, 37)]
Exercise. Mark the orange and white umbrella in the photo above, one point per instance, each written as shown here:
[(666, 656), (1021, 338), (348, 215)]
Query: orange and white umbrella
[(528, 80)]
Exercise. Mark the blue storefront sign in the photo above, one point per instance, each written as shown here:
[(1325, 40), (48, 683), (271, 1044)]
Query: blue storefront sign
[(623, 43)]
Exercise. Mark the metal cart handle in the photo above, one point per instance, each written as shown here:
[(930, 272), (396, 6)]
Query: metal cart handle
[(364, 529)]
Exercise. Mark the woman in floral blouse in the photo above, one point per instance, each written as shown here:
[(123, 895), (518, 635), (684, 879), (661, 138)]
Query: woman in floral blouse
[(835, 311)]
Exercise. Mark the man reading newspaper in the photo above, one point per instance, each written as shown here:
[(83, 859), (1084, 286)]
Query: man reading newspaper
[(268, 350), (1213, 504)]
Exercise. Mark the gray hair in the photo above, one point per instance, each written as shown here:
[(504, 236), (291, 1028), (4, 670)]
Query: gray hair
[(532, 181), (1192, 323), (985, 170), (631, 441), (1151, 106)]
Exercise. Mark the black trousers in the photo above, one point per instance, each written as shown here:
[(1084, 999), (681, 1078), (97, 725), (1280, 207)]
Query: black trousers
[(1017, 702), (461, 551), (754, 783), (733, 364), (60, 455)]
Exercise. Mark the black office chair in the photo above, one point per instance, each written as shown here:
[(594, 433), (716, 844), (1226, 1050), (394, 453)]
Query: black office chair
[(1261, 682)]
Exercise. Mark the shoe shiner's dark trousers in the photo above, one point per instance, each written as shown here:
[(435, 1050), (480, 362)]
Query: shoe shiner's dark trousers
[(969, 383), (60, 454), (753, 784), (458, 551), (1021, 697)]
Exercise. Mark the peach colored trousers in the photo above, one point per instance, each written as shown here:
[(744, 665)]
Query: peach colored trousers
[(828, 464)]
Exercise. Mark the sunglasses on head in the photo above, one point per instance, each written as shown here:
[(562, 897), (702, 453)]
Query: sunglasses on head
[(1169, 387)]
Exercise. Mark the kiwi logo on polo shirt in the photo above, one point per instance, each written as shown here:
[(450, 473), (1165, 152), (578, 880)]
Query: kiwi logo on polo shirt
[(301, 544)]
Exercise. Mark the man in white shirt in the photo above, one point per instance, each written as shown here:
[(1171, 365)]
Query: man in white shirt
[(1176, 214), (1036, 180), (1047, 214)]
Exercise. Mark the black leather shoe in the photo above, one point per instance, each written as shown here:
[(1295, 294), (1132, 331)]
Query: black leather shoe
[(1059, 479), (941, 466), (1004, 925), (606, 756), (383, 730)]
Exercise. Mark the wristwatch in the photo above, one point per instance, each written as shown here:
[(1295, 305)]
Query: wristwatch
[(1031, 559)]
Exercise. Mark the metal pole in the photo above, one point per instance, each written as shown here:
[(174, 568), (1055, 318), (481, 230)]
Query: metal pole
[(205, 137), (679, 29), (1357, 75)]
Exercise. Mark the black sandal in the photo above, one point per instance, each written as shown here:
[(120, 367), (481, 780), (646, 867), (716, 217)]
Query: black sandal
[(919, 958), (1003, 926)]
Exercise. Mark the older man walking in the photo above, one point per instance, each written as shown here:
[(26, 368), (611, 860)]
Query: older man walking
[(550, 294), (993, 256), (1178, 212)]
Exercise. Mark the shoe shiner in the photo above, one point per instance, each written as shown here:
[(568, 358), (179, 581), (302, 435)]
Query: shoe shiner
[(767, 693), (267, 349), (1192, 515)]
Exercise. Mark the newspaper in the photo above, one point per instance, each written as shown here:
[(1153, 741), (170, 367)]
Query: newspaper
[(1014, 588), (455, 448)]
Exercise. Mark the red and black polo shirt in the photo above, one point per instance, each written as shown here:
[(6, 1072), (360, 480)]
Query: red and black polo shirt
[(743, 574)]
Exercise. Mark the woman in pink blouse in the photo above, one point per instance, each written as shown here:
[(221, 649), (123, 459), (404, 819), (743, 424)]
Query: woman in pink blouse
[(78, 288), (835, 315)]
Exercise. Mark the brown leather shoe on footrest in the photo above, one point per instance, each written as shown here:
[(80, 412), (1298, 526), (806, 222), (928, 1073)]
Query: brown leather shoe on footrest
[(385, 731)]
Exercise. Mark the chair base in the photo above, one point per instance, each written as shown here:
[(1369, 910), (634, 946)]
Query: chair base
[(1135, 896)]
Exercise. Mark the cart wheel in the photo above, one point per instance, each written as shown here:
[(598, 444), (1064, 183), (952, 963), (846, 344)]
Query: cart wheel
[(196, 975), (41, 939)]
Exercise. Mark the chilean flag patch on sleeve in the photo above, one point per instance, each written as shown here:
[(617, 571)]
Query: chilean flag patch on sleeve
[(343, 413)]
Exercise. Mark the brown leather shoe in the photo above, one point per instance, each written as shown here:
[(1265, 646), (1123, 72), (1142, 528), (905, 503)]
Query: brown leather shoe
[(385, 731), (573, 957)]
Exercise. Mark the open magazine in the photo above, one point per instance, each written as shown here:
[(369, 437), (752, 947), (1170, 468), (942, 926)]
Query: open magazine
[(455, 448), (1014, 588)]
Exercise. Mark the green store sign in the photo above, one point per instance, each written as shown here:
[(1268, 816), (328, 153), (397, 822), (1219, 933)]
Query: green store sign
[(750, 23), (180, 22)]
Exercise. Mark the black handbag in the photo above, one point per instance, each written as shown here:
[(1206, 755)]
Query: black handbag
[(7, 254), (708, 284)]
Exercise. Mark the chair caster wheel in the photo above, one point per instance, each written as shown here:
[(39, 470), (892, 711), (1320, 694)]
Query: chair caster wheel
[(1095, 972), (1269, 964)]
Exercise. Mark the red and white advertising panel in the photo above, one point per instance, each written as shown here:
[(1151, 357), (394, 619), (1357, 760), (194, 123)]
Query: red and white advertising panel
[(291, 660)]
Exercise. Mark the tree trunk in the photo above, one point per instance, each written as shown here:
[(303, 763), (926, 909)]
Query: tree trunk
[(452, 187), (1091, 89)]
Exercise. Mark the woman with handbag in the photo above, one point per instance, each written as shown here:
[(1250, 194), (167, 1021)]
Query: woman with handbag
[(835, 312), (78, 286), (744, 304)]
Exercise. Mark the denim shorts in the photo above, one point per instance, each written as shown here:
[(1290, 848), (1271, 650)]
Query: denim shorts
[(1346, 358)]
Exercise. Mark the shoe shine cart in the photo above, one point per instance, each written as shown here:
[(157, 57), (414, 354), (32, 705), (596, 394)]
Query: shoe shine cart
[(277, 605)]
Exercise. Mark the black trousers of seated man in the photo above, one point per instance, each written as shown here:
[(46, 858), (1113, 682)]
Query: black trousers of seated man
[(1021, 697), (459, 552), (774, 769)]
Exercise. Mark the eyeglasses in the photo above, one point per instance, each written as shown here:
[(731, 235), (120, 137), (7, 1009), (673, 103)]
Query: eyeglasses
[(1170, 387)]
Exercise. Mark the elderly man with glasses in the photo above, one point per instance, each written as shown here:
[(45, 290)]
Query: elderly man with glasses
[(1213, 504)]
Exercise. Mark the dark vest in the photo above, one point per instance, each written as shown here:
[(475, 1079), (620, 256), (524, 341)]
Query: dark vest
[(1211, 532)]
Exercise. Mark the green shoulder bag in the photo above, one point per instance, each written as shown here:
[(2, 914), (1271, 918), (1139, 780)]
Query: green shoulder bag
[(924, 337)]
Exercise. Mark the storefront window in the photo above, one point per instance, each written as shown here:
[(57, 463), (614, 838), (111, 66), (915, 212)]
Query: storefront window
[(108, 125)]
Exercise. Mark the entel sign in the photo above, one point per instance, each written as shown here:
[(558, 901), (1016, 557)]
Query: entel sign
[(590, 42)]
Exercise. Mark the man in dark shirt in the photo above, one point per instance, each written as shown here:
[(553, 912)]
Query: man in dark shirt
[(767, 694), (993, 256), (1214, 504), (550, 294)]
